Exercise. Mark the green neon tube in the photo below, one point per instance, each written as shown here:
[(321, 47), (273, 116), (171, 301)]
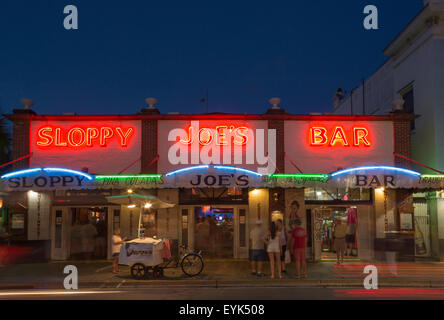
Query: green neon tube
[(135, 176)]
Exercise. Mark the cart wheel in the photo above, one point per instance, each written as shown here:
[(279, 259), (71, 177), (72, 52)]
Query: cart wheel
[(138, 271), (192, 264)]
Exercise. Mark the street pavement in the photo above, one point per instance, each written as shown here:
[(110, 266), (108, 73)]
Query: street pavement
[(225, 293), (224, 273)]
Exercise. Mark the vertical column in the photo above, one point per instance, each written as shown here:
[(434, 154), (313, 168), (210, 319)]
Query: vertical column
[(21, 122), (277, 195), (402, 136), (278, 125), (149, 142), (432, 208)]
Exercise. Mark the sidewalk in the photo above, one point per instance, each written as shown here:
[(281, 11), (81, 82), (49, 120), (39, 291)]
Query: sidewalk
[(220, 273)]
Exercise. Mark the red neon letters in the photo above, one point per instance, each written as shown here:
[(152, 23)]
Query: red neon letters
[(221, 135), (319, 136), (78, 137)]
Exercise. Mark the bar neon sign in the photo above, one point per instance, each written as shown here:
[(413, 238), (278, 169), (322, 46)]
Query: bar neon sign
[(320, 136), (50, 136), (367, 168)]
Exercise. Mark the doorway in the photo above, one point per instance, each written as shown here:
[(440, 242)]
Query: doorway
[(214, 231), (324, 221), (88, 233)]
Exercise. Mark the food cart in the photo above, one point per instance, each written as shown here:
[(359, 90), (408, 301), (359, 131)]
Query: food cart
[(150, 256)]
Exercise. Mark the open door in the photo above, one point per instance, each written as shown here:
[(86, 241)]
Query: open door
[(317, 236), (241, 238), (59, 233)]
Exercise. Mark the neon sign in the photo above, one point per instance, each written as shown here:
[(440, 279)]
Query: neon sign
[(213, 176), (46, 178), (221, 135), (49, 136), (25, 172), (319, 136), (367, 168), (223, 143)]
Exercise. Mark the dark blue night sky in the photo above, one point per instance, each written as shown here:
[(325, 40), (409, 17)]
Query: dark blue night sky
[(244, 52)]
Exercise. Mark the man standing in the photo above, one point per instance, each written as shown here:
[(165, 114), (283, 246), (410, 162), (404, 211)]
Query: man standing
[(299, 235), (339, 238), (117, 242), (257, 251)]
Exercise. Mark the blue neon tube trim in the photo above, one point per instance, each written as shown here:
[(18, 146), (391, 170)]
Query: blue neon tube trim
[(87, 176), (238, 169), (187, 169), (414, 173), (20, 172)]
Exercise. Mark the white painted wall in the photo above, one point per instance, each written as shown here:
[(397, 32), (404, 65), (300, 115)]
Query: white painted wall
[(39, 210), (326, 159), (441, 218), (110, 159)]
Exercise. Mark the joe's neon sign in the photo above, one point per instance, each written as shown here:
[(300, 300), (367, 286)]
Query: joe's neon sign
[(221, 135), (79, 137), (320, 136), (226, 143)]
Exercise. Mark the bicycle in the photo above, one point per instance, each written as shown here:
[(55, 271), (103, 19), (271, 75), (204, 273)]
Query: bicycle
[(191, 263)]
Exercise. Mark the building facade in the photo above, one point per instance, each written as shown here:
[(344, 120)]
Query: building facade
[(411, 80), (222, 172)]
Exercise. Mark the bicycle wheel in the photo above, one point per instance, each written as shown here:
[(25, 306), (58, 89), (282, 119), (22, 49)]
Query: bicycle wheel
[(138, 271), (192, 264)]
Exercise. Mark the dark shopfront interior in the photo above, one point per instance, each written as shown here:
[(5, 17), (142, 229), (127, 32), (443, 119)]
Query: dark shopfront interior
[(88, 233), (214, 213)]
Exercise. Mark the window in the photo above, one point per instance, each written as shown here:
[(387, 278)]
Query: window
[(242, 228), (185, 227), (116, 219), (58, 229), (213, 196), (337, 195)]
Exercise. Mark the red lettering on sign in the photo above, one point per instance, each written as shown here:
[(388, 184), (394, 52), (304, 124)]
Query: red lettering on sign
[(221, 135), (91, 133), (105, 133), (319, 136), (79, 137), (46, 138), (360, 135), (76, 137), (58, 138), (124, 136), (339, 136)]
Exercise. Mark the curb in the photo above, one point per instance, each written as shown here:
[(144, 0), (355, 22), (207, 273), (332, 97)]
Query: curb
[(225, 284)]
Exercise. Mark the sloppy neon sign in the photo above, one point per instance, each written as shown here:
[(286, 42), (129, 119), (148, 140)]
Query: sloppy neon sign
[(49, 136), (221, 135), (320, 136)]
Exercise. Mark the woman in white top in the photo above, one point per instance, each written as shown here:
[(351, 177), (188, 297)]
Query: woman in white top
[(116, 244), (274, 247)]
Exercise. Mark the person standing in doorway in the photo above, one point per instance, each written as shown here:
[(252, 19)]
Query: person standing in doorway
[(299, 236), (274, 247), (100, 248), (294, 208), (339, 239), (117, 242), (282, 230), (257, 252), (350, 237)]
